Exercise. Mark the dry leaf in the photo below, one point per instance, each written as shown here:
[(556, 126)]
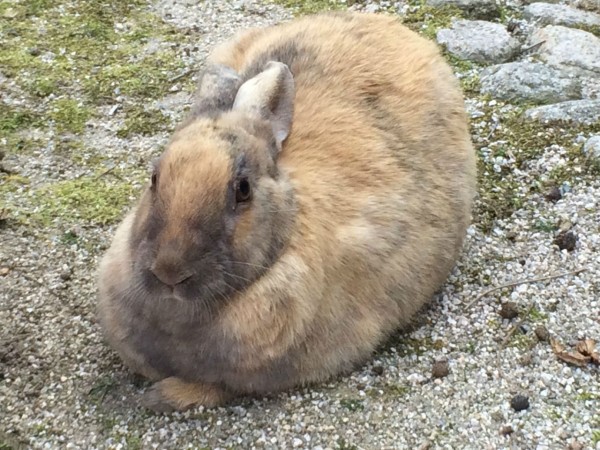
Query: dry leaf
[(557, 347), (577, 359), (586, 347)]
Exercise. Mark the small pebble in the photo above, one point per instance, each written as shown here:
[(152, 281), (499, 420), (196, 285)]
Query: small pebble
[(526, 360), (509, 310), (566, 241), (440, 369), (34, 51), (554, 194), (65, 275), (575, 445), (542, 333), (506, 430), (519, 402)]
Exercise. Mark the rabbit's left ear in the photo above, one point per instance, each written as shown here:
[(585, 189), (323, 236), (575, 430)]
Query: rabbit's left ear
[(270, 95), (217, 89)]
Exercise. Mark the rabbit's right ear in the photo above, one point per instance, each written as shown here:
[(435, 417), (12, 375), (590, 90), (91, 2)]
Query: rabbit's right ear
[(270, 95), (217, 90)]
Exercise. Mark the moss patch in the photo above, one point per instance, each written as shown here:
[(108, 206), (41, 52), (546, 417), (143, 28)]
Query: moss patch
[(69, 115), (144, 121), (428, 20), (89, 200), (301, 8), (501, 191)]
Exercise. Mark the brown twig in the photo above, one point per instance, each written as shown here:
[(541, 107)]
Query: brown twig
[(527, 281)]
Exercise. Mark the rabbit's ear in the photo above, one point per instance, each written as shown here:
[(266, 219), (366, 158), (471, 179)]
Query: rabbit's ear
[(217, 88), (270, 94)]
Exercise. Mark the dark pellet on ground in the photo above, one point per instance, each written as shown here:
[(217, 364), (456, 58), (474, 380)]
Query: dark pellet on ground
[(509, 310), (566, 241), (519, 402), (542, 333), (507, 430), (554, 194), (440, 369)]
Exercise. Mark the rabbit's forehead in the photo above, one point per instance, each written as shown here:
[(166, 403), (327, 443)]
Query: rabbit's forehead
[(194, 176)]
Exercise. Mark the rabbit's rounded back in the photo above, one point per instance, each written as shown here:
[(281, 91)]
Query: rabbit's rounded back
[(352, 133)]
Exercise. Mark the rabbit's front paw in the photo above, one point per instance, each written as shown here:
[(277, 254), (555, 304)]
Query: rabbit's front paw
[(173, 394)]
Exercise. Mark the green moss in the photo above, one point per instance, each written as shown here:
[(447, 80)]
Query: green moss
[(501, 193), (342, 444), (544, 226), (534, 315), (133, 442), (93, 200), (16, 119), (409, 346), (87, 51), (144, 121), (69, 115), (595, 436), (593, 29), (301, 8), (101, 388), (588, 396), (352, 404), (428, 20), (10, 183)]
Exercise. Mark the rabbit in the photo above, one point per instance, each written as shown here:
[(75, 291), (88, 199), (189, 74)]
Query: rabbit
[(312, 201)]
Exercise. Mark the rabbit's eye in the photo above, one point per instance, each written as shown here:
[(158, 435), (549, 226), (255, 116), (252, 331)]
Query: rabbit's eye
[(153, 179), (243, 191)]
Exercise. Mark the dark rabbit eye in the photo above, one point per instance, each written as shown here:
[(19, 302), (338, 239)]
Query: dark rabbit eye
[(243, 191), (153, 179)]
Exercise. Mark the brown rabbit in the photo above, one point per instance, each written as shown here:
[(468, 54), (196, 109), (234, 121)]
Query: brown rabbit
[(316, 198)]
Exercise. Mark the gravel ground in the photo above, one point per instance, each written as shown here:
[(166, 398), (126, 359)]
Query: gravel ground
[(62, 387)]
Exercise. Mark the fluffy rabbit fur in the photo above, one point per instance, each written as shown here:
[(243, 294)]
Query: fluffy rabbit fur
[(316, 197)]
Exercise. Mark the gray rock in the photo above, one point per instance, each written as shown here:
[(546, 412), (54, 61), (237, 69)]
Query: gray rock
[(478, 41), (592, 147), (529, 81), (564, 46), (577, 111), (547, 14), (475, 9), (588, 5)]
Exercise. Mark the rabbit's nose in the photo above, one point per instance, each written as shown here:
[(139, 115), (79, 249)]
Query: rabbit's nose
[(169, 273)]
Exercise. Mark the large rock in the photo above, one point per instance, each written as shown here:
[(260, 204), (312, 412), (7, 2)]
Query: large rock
[(592, 148), (564, 46), (547, 14), (478, 41), (578, 111), (475, 9), (529, 81)]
